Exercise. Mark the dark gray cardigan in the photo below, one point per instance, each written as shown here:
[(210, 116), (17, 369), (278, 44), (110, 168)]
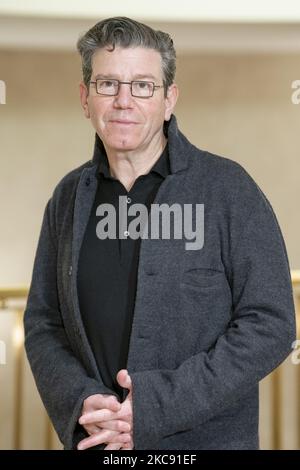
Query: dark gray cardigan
[(208, 324)]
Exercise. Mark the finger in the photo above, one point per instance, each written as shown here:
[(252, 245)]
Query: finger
[(110, 402), (130, 443), (102, 437), (99, 401), (120, 437), (97, 416), (92, 429), (115, 425), (116, 446), (126, 446)]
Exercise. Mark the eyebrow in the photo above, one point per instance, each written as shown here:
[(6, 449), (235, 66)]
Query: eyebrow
[(136, 77)]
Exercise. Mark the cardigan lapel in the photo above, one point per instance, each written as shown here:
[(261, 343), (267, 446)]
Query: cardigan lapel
[(84, 199)]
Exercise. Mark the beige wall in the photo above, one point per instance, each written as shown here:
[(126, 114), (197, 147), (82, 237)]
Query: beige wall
[(240, 107), (236, 106)]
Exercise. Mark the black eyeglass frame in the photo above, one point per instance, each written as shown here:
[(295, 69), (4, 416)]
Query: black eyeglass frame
[(126, 83)]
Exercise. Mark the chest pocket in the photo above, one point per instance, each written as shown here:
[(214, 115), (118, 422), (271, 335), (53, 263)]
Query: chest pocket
[(205, 302), (202, 277)]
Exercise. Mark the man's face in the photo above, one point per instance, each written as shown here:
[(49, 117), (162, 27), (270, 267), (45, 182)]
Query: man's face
[(123, 122)]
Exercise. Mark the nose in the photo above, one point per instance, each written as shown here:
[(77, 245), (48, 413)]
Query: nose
[(124, 98)]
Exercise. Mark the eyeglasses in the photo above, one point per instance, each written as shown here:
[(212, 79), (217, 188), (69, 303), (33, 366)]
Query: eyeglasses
[(139, 89)]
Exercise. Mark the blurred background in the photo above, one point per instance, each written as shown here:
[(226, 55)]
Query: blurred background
[(237, 62)]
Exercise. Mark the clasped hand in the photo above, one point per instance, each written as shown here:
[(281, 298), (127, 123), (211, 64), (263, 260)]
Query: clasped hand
[(107, 421)]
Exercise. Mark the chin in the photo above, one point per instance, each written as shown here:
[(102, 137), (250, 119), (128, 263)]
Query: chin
[(124, 145)]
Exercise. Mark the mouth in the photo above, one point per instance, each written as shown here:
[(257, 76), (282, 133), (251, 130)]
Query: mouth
[(123, 122)]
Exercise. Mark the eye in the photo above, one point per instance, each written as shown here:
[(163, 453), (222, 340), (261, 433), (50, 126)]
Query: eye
[(142, 85), (107, 84)]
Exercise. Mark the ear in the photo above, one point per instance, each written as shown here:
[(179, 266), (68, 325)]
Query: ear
[(170, 100), (84, 99)]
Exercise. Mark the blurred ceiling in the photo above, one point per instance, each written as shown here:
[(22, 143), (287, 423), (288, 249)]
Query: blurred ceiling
[(195, 25)]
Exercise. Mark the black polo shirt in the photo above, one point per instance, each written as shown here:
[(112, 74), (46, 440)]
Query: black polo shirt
[(107, 272)]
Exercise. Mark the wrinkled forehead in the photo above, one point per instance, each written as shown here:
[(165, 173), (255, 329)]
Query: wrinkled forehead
[(129, 63)]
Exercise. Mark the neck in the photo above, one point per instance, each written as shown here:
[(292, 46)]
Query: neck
[(127, 166)]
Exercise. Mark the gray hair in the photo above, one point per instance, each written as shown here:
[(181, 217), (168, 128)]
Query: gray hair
[(125, 32)]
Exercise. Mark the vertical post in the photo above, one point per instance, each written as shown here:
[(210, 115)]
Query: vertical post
[(48, 434), (298, 365), (277, 401), (18, 341)]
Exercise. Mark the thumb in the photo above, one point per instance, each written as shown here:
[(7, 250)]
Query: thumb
[(124, 379)]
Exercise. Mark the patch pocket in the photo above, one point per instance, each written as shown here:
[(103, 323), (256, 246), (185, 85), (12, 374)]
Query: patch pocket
[(205, 304), (203, 277)]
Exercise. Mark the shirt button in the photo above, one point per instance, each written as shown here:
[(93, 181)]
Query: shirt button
[(128, 200), (126, 233)]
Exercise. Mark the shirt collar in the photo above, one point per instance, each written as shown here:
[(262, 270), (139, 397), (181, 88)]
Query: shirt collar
[(161, 166)]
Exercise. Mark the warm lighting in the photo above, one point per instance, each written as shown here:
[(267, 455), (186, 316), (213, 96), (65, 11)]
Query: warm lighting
[(18, 336), (296, 276), (2, 353)]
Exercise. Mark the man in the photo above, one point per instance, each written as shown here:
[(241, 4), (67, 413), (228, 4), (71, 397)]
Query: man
[(147, 342)]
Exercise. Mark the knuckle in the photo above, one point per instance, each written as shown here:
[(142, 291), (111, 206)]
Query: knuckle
[(120, 426), (126, 437), (108, 434)]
